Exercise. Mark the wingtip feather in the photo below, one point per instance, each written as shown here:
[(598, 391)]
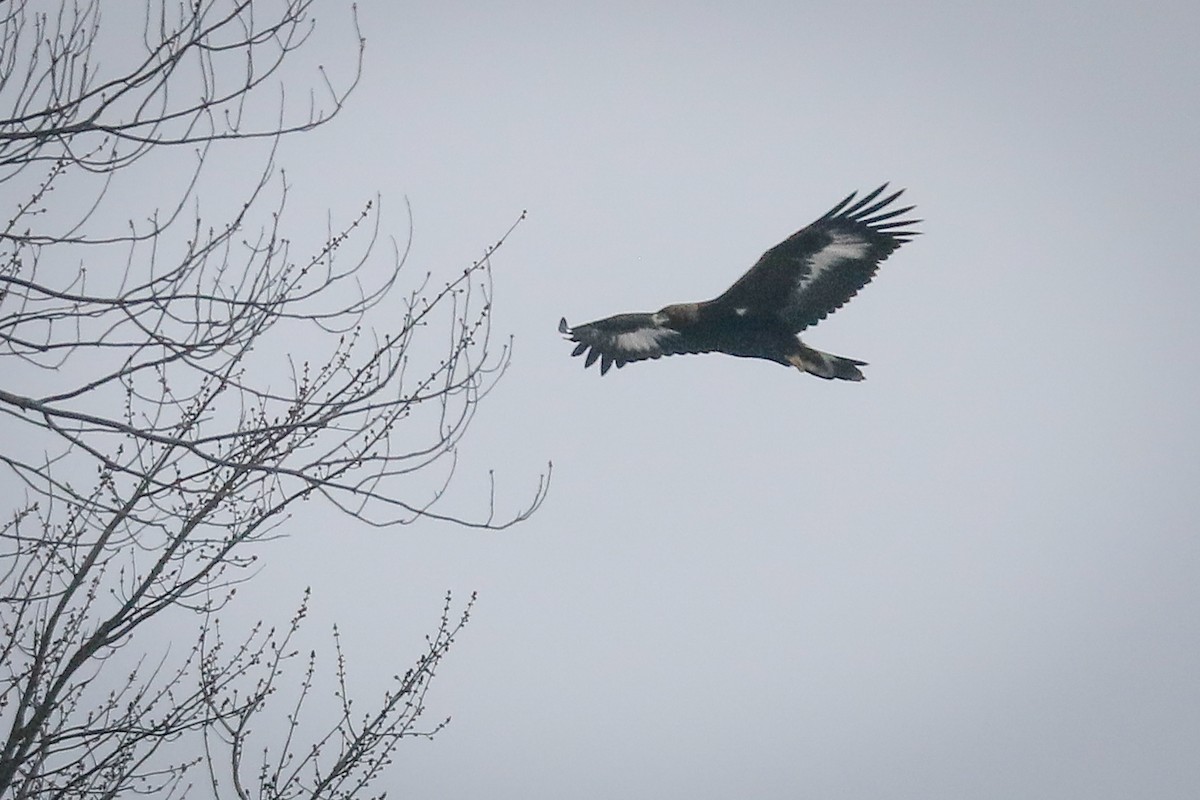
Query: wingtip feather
[(863, 201), (833, 212), (864, 214)]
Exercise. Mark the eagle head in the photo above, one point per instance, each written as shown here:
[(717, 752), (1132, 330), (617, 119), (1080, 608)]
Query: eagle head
[(677, 315)]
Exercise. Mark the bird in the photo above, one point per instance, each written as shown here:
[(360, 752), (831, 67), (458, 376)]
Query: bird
[(794, 285)]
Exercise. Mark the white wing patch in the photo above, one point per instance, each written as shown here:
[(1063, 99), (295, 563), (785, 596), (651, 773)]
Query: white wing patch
[(644, 340), (844, 247)]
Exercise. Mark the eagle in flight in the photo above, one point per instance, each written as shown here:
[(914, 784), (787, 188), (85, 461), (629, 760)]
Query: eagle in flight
[(797, 283)]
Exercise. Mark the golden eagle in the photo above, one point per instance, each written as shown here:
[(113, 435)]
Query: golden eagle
[(795, 284)]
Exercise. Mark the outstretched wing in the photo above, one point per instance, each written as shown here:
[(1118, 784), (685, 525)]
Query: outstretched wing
[(627, 337), (815, 271)]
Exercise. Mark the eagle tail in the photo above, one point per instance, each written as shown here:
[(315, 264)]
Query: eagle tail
[(826, 365)]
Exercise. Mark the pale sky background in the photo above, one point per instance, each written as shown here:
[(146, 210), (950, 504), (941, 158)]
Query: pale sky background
[(974, 575)]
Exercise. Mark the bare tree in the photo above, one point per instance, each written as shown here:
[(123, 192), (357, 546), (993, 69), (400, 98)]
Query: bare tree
[(156, 431)]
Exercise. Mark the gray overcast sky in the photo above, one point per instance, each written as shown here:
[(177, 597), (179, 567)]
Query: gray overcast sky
[(975, 575)]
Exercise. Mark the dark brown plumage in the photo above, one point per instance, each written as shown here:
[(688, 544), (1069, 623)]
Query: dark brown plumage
[(795, 284)]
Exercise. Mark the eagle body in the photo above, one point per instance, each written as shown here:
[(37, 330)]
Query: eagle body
[(732, 330), (793, 285)]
